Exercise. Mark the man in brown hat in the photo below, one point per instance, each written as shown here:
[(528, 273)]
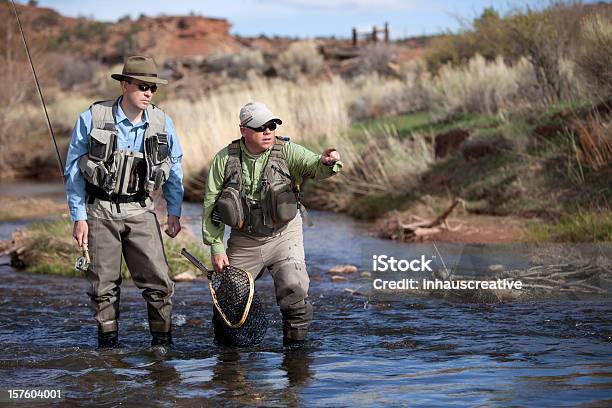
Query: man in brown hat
[(122, 150)]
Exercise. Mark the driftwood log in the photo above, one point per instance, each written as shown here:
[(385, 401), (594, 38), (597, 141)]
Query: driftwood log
[(418, 229)]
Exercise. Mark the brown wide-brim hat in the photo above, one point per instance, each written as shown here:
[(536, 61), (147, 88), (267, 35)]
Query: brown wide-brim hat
[(141, 68)]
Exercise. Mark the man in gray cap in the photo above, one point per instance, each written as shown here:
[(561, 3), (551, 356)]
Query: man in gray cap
[(121, 150), (253, 187)]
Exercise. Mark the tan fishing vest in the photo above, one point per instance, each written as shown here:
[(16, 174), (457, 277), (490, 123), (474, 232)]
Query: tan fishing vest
[(280, 197), (117, 174)]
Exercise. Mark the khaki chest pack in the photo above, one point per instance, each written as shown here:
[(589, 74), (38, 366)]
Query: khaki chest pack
[(123, 175), (280, 197)]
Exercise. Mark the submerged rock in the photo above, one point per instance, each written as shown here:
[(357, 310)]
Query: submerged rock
[(496, 268), (343, 269)]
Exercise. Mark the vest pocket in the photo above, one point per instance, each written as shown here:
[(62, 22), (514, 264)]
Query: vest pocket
[(158, 148), (285, 208), (93, 172), (256, 222), (230, 209), (136, 176), (101, 144)]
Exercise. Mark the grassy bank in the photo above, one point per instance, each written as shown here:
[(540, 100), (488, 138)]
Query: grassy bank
[(578, 226), (49, 248), (539, 165)]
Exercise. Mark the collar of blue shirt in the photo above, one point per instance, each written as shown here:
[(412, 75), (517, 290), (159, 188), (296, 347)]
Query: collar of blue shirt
[(120, 117)]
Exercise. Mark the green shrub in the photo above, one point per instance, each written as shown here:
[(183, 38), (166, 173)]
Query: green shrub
[(245, 63), (49, 19), (370, 207), (479, 87), (487, 35), (580, 226), (301, 58), (548, 38)]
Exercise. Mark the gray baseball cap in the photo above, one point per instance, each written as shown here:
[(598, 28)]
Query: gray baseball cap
[(254, 114)]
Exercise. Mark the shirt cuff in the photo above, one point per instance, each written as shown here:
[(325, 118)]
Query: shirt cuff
[(176, 211), (217, 248), (79, 214), (336, 166)]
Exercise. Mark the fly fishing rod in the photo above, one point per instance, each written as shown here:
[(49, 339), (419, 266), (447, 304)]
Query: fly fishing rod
[(40, 94), (82, 263)]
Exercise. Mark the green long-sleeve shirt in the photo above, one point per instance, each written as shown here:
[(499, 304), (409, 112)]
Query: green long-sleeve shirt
[(302, 163)]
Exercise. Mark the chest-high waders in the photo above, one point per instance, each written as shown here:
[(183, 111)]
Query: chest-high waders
[(267, 234), (132, 231)]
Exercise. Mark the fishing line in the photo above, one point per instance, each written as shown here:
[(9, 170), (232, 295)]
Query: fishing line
[(441, 259)]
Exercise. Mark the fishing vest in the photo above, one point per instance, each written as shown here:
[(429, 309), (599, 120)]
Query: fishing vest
[(119, 175), (280, 196)]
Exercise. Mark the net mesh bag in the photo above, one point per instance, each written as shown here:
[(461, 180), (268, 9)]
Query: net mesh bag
[(239, 319)]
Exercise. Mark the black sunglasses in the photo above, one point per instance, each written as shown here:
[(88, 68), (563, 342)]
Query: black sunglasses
[(144, 87), (262, 128)]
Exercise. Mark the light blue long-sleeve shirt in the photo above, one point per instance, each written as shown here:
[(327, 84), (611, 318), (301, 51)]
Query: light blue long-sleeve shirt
[(129, 137)]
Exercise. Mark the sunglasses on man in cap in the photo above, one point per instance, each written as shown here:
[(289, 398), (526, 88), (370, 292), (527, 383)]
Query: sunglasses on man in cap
[(262, 128)]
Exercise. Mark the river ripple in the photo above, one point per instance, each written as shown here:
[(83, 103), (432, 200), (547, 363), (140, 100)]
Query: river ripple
[(415, 351)]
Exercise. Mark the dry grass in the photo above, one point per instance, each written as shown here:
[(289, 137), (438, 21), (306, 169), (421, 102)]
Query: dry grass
[(479, 87), (65, 108), (29, 208), (373, 96), (595, 141), (301, 58), (314, 114), (379, 164), (308, 113), (384, 163), (48, 248)]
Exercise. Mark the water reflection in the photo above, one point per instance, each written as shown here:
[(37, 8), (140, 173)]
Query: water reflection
[(296, 364), (418, 351), (230, 375)]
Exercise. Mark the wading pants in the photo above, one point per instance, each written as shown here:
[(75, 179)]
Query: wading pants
[(283, 256), (138, 238)]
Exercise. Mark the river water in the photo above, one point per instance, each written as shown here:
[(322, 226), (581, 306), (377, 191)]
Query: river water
[(412, 351)]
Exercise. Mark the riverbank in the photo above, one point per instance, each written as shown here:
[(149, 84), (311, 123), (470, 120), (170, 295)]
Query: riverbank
[(528, 176)]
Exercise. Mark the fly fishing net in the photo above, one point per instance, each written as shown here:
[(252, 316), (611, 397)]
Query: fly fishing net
[(239, 319)]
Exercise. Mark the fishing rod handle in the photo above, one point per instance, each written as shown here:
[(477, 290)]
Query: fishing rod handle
[(196, 262)]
